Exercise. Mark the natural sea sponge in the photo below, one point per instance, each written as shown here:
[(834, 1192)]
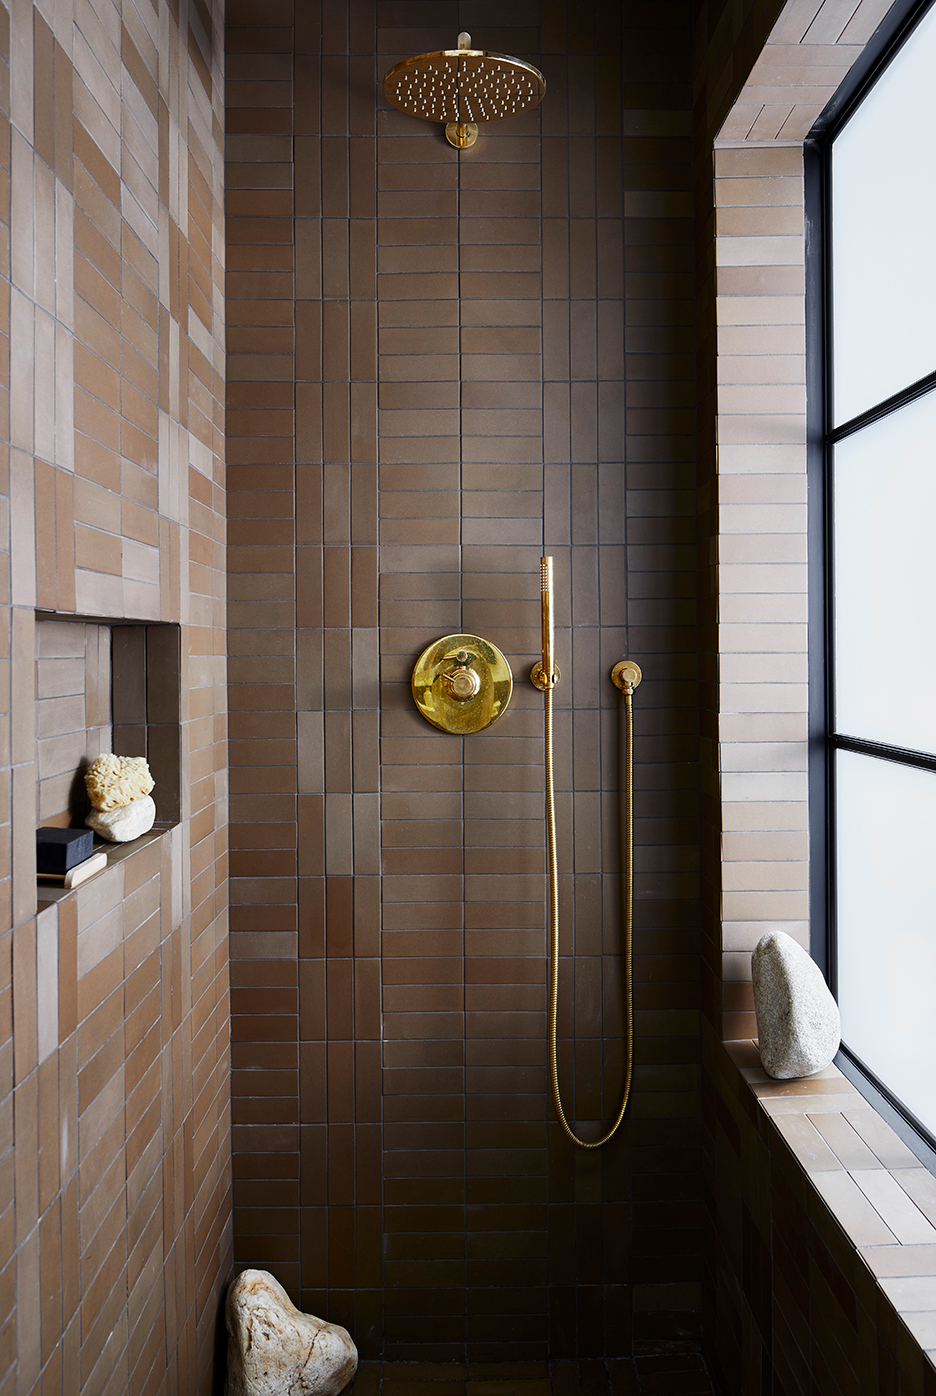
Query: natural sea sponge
[(113, 781)]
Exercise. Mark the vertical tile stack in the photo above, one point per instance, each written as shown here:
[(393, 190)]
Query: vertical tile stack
[(304, 665), (660, 507), (436, 1211), (114, 1116), (461, 528), (261, 638)]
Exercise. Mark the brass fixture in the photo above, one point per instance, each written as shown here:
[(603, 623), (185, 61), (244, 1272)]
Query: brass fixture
[(462, 684), (626, 676), (462, 86), (545, 673), (461, 134)]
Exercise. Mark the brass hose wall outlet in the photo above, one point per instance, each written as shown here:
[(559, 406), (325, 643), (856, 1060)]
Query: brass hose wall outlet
[(461, 684), (626, 675)]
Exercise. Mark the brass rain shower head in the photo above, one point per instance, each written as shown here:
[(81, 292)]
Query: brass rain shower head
[(462, 86)]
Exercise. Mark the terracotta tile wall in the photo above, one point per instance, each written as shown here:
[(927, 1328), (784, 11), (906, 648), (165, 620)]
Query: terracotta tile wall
[(73, 712), (114, 1067), (785, 1215), (426, 388)]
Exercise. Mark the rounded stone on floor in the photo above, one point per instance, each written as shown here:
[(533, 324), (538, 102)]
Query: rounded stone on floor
[(274, 1350)]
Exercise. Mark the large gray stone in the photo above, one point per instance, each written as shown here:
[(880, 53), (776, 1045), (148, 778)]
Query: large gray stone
[(798, 1023), (274, 1350)]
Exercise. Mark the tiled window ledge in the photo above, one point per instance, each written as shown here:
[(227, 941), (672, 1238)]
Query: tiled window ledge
[(878, 1192)]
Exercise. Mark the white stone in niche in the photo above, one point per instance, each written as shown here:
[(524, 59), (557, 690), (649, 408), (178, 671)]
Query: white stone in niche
[(126, 823), (798, 1023), (274, 1350)]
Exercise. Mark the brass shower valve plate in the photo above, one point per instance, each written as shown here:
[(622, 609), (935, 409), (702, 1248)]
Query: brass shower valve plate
[(462, 684)]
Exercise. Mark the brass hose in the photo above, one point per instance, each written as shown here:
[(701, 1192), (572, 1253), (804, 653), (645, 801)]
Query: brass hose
[(628, 691)]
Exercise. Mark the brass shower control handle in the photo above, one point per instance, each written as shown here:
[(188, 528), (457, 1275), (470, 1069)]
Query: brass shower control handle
[(462, 684)]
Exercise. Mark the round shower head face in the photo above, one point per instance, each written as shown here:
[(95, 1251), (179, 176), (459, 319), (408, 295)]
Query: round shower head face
[(464, 85)]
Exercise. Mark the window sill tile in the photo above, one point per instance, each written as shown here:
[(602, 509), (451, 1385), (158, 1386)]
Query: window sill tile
[(871, 1184)]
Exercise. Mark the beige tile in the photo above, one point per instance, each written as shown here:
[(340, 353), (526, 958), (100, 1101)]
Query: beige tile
[(910, 1294), (858, 1218), (849, 1147), (807, 1143), (900, 1213), (881, 1139)]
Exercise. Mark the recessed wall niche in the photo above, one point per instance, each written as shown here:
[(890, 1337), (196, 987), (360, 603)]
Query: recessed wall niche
[(103, 686)]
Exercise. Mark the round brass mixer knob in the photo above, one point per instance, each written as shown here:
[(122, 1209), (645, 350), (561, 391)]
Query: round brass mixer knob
[(462, 683)]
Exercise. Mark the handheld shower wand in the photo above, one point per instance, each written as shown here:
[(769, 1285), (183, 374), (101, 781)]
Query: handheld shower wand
[(625, 676), (544, 674)]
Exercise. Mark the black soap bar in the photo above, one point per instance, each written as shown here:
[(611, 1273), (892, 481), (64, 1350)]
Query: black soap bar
[(57, 850)]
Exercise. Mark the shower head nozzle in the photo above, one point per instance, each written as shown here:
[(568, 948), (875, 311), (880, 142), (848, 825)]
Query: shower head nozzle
[(463, 86)]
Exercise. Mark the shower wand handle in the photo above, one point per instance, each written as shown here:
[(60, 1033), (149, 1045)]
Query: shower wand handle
[(546, 674), (549, 632)]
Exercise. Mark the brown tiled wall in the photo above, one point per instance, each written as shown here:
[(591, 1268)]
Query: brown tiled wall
[(115, 1235), (427, 364)]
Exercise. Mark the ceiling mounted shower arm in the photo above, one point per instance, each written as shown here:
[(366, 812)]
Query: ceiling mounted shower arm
[(462, 86)]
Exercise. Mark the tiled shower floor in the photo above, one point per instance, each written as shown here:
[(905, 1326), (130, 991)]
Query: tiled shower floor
[(682, 1375)]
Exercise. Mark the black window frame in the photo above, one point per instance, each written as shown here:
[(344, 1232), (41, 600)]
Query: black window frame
[(821, 437)]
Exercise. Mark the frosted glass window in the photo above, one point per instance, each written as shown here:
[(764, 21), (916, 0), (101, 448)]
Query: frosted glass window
[(886, 835), (885, 579), (883, 223)]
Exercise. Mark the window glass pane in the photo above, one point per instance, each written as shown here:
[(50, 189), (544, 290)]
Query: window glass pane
[(886, 830), (883, 229), (885, 579)]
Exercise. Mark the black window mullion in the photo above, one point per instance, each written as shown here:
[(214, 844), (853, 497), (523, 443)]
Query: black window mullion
[(816, 163), (922, 760), (883, 409)]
